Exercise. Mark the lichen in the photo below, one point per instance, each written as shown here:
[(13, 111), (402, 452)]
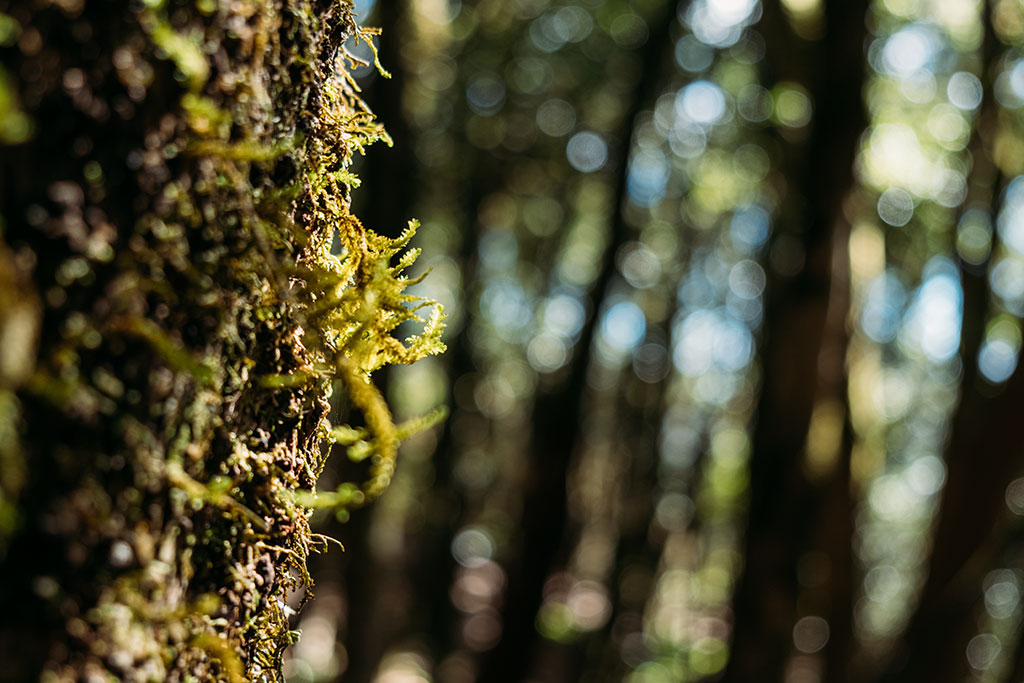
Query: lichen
[(194, 295)]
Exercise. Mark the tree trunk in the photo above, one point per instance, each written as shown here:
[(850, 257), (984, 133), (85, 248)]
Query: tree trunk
[(172, 179), (783, 501)]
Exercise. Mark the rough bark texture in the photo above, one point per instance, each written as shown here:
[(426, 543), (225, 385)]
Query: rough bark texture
[(173, 322)]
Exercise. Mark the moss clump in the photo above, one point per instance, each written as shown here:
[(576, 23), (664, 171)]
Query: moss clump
[(182, 288)]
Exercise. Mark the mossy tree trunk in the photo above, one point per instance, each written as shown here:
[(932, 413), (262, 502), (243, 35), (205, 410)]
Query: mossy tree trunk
[(173, 177)]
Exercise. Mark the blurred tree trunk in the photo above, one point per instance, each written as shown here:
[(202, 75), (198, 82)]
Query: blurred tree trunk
[(783, 500), (557, 415)]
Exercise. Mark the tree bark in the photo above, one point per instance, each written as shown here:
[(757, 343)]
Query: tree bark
[(169, 192)]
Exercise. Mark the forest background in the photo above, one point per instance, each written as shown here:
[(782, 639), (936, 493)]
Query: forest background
[(734, 293)]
